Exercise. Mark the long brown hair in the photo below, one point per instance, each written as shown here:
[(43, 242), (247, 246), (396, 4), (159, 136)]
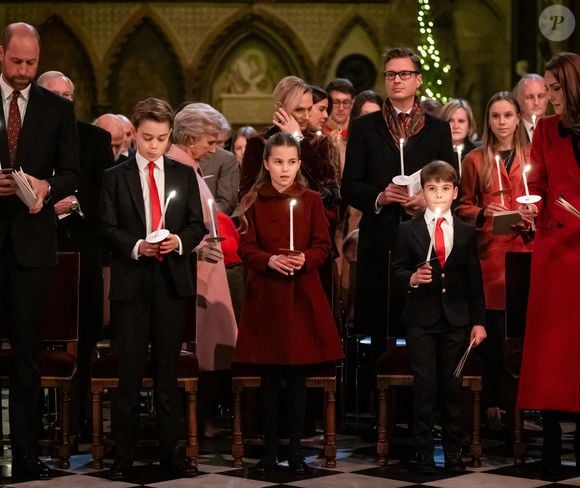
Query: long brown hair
[(277, 140), (489, 142), (566, 69)]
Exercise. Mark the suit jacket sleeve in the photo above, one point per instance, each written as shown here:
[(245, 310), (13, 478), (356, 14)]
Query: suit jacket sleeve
[(403, 267), (476, 295), (227, 184)]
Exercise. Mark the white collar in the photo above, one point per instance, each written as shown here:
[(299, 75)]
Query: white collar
[(143, 163), (7, 90), (430, 216)]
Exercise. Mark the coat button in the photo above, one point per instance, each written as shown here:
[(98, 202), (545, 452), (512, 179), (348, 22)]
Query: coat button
[(443, 290)]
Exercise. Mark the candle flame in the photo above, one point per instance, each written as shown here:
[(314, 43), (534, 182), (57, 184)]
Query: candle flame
[(460, 147), (527, 168), (293, 202), (401, 141), (172, 195), (534, 119), (437, 212), (497, 159), (210, 201)]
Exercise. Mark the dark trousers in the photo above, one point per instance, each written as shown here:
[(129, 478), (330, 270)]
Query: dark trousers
[(24, 291), (156, 316), (434, 354), (553, 436), (273, 379)]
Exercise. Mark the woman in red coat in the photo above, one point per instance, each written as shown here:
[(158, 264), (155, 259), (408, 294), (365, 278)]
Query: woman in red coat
[(503, 137), (550, 375), (286, 320)]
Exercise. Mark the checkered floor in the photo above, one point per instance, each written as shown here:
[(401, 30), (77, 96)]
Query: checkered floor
[(355, 468)]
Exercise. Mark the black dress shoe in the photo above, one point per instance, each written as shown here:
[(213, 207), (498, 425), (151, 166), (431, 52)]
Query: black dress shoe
[(454, 464), (30, 467), (425, 465), (120, 469), (298, 466), (264, 466), (179, 469)]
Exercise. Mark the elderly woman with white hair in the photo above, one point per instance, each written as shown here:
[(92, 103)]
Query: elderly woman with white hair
[(196, 129)]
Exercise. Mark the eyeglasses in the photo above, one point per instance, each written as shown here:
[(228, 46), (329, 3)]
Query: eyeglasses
[(344, 103), (404, 75)]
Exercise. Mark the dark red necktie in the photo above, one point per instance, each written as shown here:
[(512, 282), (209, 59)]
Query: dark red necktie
[(155, 203), (440, 241), (403, 117), (14, 125)]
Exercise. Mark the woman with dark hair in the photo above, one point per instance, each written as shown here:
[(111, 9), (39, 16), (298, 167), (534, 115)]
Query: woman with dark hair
[(240, 140), (366, 102), (550, 375), (497, 165), (322, 106)]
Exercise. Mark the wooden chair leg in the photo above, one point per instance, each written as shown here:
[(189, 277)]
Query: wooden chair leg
[(97, 450), (519, 446), (191, 447), (476, 433), (330, 428), (382, 438), (237, 438), (64, 449)]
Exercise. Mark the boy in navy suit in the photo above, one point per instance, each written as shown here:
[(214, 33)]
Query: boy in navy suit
[(445, 298), (151, 282)]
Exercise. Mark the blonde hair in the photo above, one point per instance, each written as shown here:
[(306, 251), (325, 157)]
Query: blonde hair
[(489, 142), (289, 91), (452, 106)]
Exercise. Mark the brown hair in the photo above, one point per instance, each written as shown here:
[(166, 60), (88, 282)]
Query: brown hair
[(402, 52), (438, 171), (277, 140), (489, 142), (152, 109), (566, 69), (452, 106)]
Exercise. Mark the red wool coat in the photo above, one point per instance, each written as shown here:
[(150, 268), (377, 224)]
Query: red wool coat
[(472, 200), (550, 375), (286, 319)]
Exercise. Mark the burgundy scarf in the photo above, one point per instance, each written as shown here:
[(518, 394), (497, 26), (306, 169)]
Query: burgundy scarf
[(398, 129)]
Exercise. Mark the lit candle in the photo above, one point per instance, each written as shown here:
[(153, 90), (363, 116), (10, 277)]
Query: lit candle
[(527, 168), (292, 205), (459, 149), (534, 121), (437, 213), (210, 203), (162, 220), (499, 179), (401, 144)]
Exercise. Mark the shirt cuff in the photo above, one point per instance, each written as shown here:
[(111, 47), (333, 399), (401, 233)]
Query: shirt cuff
[(179, 250), (378, 207), (135, 251)]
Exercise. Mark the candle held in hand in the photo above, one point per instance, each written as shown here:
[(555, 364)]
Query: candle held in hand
[(211, 205), (292, 205)]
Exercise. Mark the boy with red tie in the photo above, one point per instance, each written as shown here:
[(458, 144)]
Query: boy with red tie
[(151, 282), (445, 297)]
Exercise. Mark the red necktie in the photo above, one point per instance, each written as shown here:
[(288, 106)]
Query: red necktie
[(440, 241), (155, 203), (14, 125)]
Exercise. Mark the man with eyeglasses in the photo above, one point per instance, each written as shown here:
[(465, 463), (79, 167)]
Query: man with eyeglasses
[(341, 92), (372, 160)]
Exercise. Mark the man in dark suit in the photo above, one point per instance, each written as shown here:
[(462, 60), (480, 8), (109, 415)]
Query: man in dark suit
[(152, 281), (372, 160), (532, 95), (39, 136), (444, 298), (114, 126), (78, 232)]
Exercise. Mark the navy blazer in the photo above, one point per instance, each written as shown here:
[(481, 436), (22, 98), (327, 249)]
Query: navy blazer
[(122, 218), (456, 290)]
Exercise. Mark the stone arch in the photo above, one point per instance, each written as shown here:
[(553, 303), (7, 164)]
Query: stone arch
[(343, 29), (253, 27), (62, 50), (143, 63)]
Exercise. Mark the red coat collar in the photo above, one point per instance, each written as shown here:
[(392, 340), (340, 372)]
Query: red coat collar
[(295, 191)]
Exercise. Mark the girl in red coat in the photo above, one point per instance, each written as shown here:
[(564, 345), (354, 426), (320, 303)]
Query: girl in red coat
[(550, 376), (503, 136), (286, 320)]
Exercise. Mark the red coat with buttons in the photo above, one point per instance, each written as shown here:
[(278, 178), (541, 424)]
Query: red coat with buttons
[(286, 319), (473, 199)]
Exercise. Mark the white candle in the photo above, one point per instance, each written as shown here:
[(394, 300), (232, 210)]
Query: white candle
[(534, 121), (527, 168), (162, 220), (401, 144), (459, 149), (210, 203), (499, 179), (437, 213), (292, 205)]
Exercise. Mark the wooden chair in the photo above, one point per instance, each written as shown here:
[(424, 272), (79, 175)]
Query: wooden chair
[(104, 376), (394, 369), (59, 334), (245, 376), (517, 278)]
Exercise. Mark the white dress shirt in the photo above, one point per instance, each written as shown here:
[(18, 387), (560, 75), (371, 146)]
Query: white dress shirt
[(7, 98), (446, 226)]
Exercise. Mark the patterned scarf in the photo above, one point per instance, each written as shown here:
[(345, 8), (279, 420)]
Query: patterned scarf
[(412, 124)]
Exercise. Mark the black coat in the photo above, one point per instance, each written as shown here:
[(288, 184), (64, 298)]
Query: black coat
[(372, 160)]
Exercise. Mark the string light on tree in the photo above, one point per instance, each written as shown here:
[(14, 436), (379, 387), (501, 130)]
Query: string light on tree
[(435, 71)]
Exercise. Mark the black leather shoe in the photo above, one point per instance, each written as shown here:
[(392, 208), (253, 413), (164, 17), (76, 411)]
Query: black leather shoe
[(425, 465), (30, 467), (454, 464), (264, 466), (298, 466), (179, 469), (120, 469)]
